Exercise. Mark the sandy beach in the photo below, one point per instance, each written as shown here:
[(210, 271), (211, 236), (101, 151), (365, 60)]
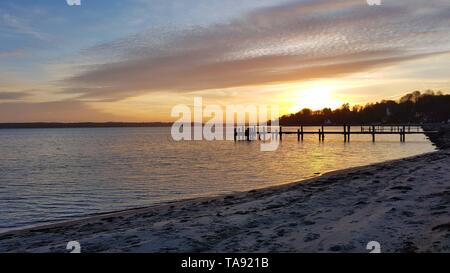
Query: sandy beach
[(402, 204)]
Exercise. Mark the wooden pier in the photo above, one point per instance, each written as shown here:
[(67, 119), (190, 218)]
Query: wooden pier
[(250, 133)]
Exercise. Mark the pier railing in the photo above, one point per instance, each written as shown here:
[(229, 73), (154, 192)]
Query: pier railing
[(251, 133)]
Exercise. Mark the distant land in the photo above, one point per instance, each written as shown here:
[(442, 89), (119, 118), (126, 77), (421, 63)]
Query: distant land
[(413, 108), (37, 125)]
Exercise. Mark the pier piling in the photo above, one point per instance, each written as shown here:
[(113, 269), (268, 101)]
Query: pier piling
[(251, 133), (373, 133), (345, 133), (348, 132)]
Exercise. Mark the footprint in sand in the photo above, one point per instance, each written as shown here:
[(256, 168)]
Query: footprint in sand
[(408, 213), (443, 227), (402, 188), (308, 223), (311, 237)]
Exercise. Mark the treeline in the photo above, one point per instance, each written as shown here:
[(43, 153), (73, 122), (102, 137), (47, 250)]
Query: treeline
[(415, 107)]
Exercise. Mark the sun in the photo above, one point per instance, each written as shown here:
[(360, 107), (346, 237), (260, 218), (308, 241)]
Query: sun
[(315, 98)]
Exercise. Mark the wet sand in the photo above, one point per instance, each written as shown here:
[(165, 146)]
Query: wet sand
[(403, 204)]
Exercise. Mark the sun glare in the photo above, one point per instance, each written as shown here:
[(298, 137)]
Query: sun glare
[(315, 98)]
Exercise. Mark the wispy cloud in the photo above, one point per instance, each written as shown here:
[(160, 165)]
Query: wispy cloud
[(298, 41), (12, 53), (19, 25), (5, 95), (58, 111)]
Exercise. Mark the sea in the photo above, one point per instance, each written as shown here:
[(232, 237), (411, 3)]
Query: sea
[(52, 175)]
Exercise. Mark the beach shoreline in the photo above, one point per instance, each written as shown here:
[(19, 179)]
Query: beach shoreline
[(95, 216), (386, 202)]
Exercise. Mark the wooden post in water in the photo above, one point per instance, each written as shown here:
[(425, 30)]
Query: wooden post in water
[(281, 133), (348, 133), (320, 137), (373, 133), (235, 134), (302, 132), (323, 133), (345, 133), (298, 134)]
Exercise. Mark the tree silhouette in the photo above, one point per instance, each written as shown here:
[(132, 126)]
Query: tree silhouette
[(415, 107)]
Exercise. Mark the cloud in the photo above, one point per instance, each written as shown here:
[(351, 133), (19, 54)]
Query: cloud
[(298, 41), (20, 25), (60, 111), (13, 95), (12, 53)]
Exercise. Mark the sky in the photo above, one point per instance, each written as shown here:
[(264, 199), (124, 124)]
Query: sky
[(134, 60)]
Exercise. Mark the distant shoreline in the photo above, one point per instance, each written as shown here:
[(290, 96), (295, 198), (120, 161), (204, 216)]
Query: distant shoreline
[(52, 125), (442, 139)]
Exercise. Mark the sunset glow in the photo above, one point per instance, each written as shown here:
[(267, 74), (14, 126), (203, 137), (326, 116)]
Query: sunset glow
[(69, 65), (316, 98)]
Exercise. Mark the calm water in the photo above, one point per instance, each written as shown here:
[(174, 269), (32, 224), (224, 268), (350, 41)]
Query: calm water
[(56, 174)]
